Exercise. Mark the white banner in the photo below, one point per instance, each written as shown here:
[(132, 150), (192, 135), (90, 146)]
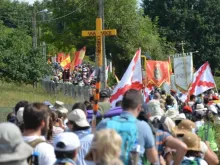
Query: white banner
[(172, 83), (183, 71)]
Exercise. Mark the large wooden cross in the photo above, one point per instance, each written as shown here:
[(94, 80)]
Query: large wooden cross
[(98, 33)]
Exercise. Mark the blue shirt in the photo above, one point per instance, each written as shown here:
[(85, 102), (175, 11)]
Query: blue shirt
[(145, 135), (85, 137)]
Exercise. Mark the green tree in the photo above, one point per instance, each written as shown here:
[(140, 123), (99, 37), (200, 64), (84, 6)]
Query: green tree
[(194, 22), (133, 29)]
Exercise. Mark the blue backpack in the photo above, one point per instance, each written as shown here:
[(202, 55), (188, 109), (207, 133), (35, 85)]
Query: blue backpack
[(127, 128)]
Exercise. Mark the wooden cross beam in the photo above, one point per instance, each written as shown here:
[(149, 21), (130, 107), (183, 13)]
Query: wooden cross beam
[(99, 32)]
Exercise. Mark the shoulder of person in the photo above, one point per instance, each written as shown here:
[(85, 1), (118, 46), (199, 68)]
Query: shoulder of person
[(44, 147), (88, 137), (143, 124), (102, 124)]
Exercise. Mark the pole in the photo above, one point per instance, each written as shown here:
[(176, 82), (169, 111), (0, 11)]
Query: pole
[(34, 25), (101, 15)]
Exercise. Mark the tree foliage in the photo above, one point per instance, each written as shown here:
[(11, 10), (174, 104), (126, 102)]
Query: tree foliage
[(61, 29), (196, 22)]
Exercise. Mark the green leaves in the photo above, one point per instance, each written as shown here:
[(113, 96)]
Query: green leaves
[(194, 22)]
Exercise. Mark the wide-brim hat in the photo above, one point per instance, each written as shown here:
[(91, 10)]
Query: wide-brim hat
[(180, 116), (184, 126), (12, 146), (200, 107), (59, 106), (192, 141), (154, 108), (171, 113)]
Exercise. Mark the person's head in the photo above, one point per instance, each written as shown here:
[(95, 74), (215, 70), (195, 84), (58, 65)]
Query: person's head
[(105, 148), (154, 108), (11, 117), (118, 103), (66, 145), (210, 94), (157, 96), (77, 120), (19, 105), (183, 127), (105, 95), (79, 105), (88, 105), (169, 101), (192, 98), (13, 150), (92, 100), (36, 118), (132, 101), (193, 144)]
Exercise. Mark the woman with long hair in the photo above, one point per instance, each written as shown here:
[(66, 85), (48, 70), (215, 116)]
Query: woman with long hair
[(105, 148)]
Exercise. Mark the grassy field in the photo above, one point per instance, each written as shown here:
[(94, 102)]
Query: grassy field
[(11, 93)]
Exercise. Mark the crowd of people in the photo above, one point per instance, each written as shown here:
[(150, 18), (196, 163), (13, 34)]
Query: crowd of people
[(81, 75), (162, 131)]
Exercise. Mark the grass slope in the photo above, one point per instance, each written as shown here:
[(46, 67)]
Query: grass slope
[(11, 93)]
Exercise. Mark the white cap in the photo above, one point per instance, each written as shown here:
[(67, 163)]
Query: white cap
[(20, 115), (69, 139), (79, 117)]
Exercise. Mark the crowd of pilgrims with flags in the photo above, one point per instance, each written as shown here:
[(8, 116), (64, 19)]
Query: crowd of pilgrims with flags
[(138, 123)]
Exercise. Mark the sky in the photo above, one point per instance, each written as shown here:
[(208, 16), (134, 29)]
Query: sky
[(32, 1)]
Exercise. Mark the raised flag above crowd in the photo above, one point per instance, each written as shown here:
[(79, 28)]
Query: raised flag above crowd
[(132, 79), (203, 80)]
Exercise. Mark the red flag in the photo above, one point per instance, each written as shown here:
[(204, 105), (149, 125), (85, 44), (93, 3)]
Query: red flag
[(60, 57), (132, 79), (66, 62), (203, 80), (78, 58), (157, 72), (170, 66)]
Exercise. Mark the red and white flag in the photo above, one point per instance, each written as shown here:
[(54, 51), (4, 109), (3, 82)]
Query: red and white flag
[(146, 92), (132, 79), (203, 80)]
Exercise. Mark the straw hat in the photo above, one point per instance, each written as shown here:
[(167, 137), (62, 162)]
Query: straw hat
[(200, 107), (192, 141), (183, 127), (59, 106), (172, 113)]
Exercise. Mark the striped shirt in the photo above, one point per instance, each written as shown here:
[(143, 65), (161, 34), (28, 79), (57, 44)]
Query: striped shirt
[(85, 137), (160, 141)]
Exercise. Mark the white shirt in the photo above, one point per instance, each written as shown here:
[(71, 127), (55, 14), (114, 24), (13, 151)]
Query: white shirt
[(202, 162), (45, 150)]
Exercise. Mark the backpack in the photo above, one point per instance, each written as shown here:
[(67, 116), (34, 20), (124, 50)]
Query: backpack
[(160, 124), (127, 128), (33, 159), (196, 161)]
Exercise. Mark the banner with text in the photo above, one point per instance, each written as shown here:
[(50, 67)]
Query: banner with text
[(183, 71)]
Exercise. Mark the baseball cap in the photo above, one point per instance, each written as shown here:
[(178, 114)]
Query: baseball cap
[(79, 117), (12, 146), (105, 93), (69, 139)]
